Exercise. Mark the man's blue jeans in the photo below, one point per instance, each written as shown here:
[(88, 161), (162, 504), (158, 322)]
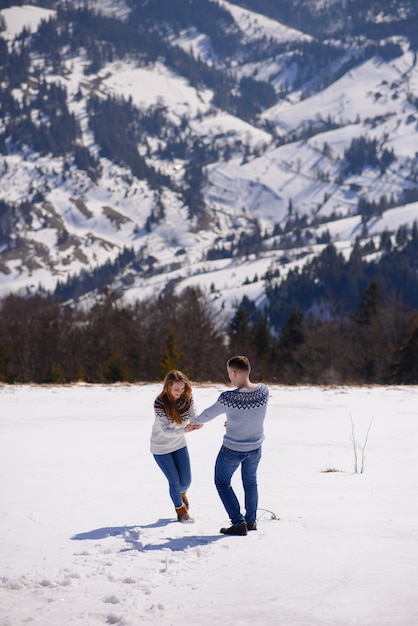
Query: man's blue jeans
[(176, 468), (226, 464)]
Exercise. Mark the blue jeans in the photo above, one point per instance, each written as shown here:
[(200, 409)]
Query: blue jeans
[(176, 468), (225, 466)]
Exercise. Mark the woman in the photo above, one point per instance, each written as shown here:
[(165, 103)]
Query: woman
[(174, 410)]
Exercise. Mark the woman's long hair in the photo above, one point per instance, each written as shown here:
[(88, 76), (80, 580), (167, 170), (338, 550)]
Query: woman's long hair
[(168, 400)]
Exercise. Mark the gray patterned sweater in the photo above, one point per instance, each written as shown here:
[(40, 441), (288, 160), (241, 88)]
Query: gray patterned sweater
[(245, 410)]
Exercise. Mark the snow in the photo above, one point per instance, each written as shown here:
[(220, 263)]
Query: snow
[(227, 126), (371, 89), (89, 534), (156, 85), (255, 25), (26, 16)]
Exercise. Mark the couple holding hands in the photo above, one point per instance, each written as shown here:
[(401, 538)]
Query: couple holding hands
[(245, 409)]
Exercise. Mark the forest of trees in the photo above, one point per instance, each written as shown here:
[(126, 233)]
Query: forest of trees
[(332, 285), (44, 341)]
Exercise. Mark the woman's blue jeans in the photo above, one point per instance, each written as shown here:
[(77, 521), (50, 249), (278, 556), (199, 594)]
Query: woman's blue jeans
[(226, 464), (176, 468)]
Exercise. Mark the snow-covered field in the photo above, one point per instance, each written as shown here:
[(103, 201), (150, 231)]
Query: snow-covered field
[(89, 537)]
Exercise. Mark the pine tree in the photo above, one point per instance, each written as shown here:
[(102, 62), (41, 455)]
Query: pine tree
[(405, 367), (115, 369), (173, 358), (4, 360)]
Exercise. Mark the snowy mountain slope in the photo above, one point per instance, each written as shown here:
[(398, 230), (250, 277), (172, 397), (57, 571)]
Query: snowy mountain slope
[(26, 16), (255, 26), (291, 171), (292, 155)]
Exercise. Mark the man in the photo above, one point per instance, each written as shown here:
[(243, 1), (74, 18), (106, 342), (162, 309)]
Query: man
[(245, 408)]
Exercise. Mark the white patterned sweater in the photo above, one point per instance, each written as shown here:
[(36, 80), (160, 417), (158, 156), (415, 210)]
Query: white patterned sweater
[(166, 435)]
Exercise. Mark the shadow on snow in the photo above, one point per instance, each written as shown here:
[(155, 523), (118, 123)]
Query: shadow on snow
[(131, 535)]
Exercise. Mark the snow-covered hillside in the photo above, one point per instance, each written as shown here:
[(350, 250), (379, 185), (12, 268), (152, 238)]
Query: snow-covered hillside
[(293, 156)]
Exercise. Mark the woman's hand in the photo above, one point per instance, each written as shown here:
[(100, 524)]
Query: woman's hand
[(191, 427)]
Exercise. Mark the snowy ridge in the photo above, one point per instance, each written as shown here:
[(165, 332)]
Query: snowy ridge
[(255, 25)]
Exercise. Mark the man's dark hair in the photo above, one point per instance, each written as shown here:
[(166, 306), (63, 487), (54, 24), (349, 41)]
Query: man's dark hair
[(239, 363)]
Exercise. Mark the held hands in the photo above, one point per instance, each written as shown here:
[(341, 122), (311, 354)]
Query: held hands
[(191, 427)]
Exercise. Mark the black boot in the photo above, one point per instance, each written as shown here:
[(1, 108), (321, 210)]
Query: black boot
[(251, 525), (237, 529)]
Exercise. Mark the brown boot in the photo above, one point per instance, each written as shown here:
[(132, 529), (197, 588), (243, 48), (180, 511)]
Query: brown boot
[(185, 500), (183, 514)]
